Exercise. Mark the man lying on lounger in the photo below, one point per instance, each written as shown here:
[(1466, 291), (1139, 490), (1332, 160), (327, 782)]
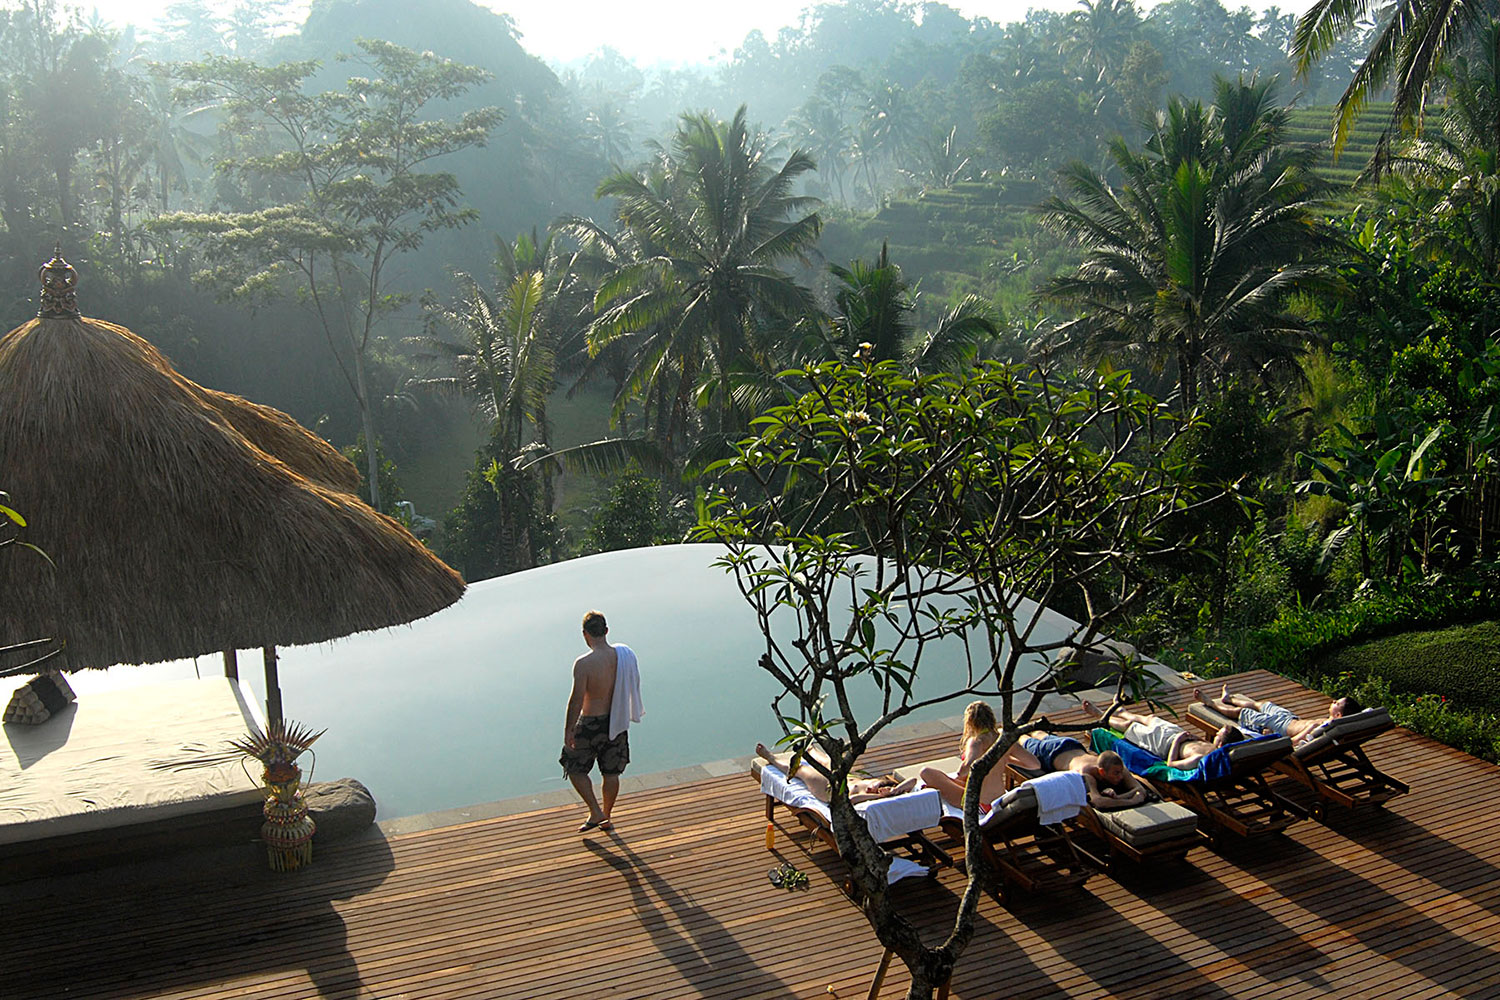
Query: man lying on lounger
[(1273, 720), (1165, 739), (1109, 785), (860, 789)]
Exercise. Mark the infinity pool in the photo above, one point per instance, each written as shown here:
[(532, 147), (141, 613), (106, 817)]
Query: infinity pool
[(467, 705)]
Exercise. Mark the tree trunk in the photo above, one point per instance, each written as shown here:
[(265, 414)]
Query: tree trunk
[(63, 169), (868, 863), (367, 423)]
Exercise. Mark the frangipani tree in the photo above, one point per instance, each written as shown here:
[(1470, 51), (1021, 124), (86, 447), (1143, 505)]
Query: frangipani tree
[(883, 511)]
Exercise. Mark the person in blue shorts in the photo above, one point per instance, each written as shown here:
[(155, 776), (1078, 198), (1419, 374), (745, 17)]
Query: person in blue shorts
[(1109, 785), (1270, 718)]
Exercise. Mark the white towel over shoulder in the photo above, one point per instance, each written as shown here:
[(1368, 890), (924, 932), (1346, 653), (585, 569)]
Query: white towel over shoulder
[(626, 705)]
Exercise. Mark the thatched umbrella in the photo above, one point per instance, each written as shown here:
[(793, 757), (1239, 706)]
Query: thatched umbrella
[(180, 521)]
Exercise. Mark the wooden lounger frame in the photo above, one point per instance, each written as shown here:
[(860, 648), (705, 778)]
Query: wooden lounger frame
[(1101, 846), (1243, 805), (914, 844), (1028, 856), (1338, 773)]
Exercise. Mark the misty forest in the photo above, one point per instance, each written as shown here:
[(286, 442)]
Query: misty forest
[(542, 307)]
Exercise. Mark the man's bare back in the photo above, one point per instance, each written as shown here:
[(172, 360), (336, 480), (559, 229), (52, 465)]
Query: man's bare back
[(594, 673)]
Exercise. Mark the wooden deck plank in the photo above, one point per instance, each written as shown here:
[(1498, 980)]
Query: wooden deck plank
[(1402, 901)]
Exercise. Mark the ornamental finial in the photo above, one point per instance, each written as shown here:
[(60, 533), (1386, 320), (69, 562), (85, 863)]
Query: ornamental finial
[(59, 288)]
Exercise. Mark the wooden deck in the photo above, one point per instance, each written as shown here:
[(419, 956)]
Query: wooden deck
[(1400, 902)]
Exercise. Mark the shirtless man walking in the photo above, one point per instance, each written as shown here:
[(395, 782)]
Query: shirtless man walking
[(587, 729)]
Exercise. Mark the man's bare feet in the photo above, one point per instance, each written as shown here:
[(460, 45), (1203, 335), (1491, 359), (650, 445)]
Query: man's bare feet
[(1224, 694), (1093, 710), (763, 753), (1198, 693)]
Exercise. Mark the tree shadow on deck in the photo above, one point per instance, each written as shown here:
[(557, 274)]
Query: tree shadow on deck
[(702, 949), (1395, 928), (142, 929), (1415, 848), (1204, 907)]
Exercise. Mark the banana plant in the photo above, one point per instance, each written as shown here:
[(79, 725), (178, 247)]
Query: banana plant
[(1387, 484)]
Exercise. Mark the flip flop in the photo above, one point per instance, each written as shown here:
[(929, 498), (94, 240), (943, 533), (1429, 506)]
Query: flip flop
[(775, 876), (606, 825), (602, 824)]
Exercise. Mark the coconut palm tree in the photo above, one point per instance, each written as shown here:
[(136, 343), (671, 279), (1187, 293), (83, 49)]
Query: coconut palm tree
[(1460, 160), (875, 306), (703, 294), (821, 130), (1192, 260), (1406, 53), (1098, 36)]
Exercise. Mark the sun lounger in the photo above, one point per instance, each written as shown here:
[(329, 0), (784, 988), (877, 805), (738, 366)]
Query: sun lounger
[(1152, 831), (896, 823), (1028, 855), (1227, 790), (1332, 764)]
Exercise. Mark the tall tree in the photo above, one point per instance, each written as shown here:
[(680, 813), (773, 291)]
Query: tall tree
[(1099, 35), (882, 513), (1193, 259), (712, 219), (351, 162), (1459, 162)]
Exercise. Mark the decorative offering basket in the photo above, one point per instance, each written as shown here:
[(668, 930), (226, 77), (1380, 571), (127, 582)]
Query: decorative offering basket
[(288, 829)]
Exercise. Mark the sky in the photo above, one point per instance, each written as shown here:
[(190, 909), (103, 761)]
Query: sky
[(704, 30)]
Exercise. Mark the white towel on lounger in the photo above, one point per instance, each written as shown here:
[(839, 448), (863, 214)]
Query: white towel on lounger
[(1059, 796), (626, 705), (886, 823)]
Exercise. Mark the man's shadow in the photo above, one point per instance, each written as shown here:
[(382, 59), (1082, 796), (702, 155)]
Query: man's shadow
[(197, 918), (700, 947)]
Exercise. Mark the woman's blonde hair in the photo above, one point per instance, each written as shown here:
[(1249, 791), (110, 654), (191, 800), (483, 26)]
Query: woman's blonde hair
[(979, 719)]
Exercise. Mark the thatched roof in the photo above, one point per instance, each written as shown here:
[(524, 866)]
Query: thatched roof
[(277, 434), (181, 520)]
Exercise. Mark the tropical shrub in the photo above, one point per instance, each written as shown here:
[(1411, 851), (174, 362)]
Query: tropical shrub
[(1461, 664)]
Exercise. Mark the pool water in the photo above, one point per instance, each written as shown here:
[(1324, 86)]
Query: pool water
[(467, 705)]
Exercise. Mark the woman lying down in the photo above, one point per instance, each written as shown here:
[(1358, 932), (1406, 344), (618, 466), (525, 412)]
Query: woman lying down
[(860, 789)]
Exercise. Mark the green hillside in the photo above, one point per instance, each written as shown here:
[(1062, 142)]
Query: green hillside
[(1314, 127), (977, 236), (970, 238)]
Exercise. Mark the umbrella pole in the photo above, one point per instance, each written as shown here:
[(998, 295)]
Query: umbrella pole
[(273, 688), (231, 665)]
